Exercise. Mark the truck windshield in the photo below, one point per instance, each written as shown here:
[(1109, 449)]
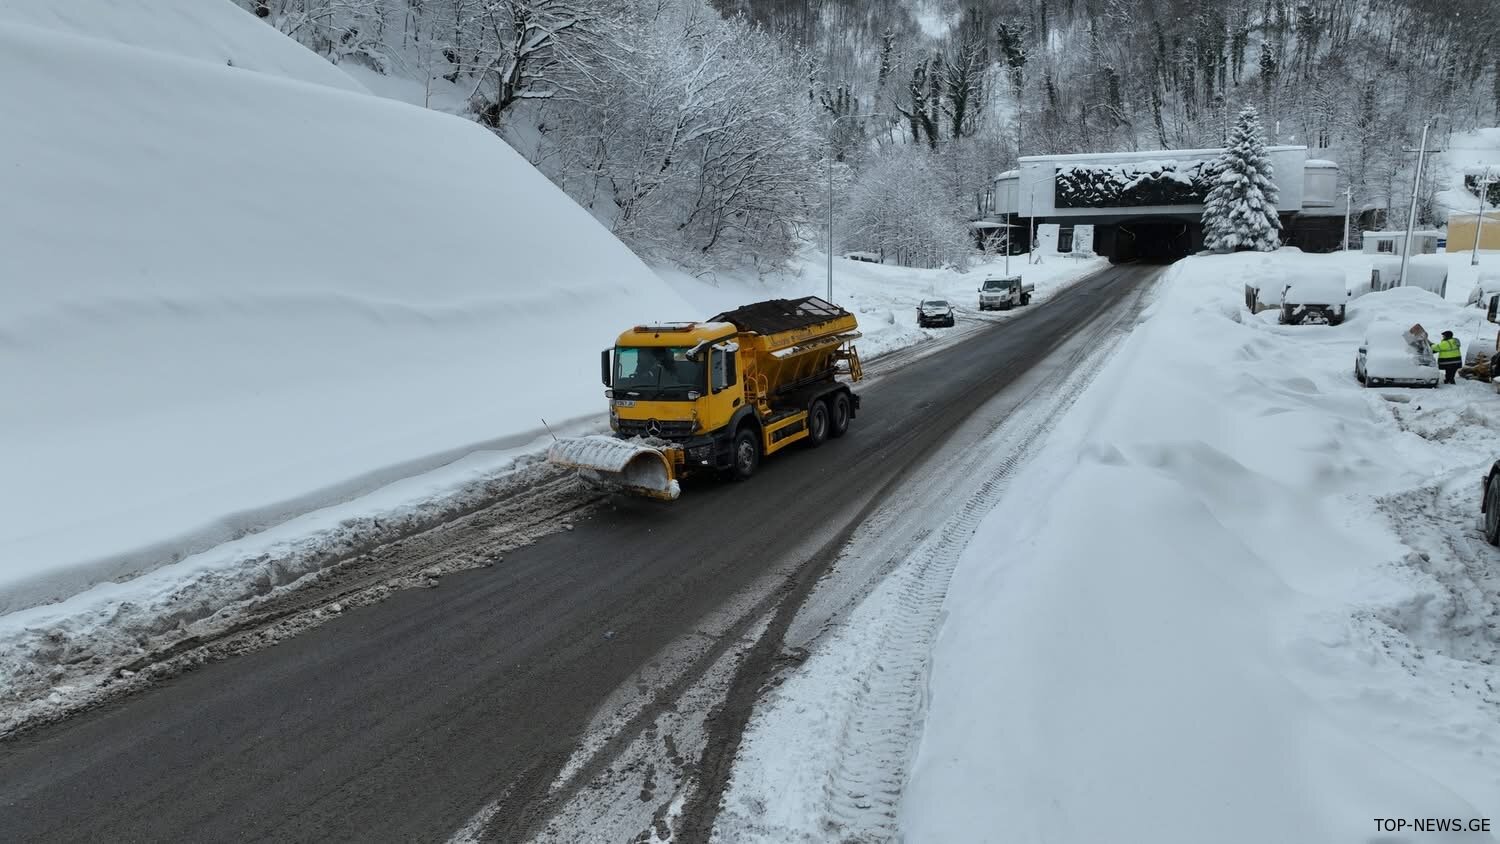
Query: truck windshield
[(996, 285), (655, 372)]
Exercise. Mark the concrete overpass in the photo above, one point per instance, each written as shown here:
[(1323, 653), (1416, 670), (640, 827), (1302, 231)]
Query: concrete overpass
[(1150, 204)]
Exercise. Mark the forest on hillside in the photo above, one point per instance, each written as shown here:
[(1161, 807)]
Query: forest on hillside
[(708, 132)]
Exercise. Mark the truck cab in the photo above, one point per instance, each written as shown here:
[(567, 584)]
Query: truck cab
[(1002, 294)]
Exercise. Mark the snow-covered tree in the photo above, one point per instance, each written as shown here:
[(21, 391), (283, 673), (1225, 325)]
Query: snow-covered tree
[(1240, 210), (701, 146), (541, 49), (898, 207)]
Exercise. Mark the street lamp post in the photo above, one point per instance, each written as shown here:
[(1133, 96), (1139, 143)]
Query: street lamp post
[(1033, 255), (1348, 204), (831, 127)]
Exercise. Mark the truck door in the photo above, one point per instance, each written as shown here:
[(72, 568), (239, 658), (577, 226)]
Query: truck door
[(725, 395)]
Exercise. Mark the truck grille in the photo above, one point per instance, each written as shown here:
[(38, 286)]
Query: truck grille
[(667, 429)]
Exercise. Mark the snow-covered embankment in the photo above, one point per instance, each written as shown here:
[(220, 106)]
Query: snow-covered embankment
[(232, 297), (1200, 617)]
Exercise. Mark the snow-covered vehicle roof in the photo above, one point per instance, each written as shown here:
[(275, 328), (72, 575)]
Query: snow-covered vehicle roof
[(1487, 285), (1429, 272), (934, 303), (1316, 287)]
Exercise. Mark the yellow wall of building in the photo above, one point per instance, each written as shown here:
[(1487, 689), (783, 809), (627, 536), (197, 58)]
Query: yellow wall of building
[(1461, 233)]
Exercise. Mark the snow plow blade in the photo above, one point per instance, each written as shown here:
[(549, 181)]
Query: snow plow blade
[(630, 466)]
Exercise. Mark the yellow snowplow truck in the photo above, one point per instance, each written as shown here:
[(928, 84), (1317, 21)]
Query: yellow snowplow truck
[(718, 396)]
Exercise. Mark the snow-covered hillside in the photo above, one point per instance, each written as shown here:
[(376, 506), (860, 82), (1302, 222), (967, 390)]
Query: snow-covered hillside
[(234, 296), (1243, 599), (1466, 153), (212, 31)]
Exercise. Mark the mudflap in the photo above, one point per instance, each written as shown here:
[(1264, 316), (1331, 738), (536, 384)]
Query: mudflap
[(633, 466)]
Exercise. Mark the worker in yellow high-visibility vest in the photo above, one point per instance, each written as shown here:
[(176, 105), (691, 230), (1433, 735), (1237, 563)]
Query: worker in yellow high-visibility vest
[(1450, 357)]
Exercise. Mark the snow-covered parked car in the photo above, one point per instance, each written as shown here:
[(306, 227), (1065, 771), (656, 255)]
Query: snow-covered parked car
[(1429, 272), (1002, 294), (934, 312), (1485, 289), (866, 257), (1264, 294), (1315, 297), (1391, 356)]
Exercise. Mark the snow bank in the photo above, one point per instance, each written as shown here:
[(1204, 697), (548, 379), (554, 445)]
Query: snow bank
[(1242, 643), (232, 298), (213, 31)]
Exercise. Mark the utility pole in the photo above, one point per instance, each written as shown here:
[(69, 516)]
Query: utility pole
[(1348, 204), (1411, 215), (1484, 191)]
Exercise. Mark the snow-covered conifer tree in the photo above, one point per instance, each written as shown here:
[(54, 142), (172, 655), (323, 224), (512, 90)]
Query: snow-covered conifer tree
[(1240, 210)]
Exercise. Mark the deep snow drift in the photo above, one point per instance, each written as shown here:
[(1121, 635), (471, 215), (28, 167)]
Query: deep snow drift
[(232, 297), (1277, 623)]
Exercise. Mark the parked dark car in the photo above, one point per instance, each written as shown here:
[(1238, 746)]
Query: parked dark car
[(935, 312), (1315, 298), (1489, 504)]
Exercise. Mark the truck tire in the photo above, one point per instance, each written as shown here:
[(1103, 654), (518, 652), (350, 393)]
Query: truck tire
[(746, 453), (818, 423), (840, 412), (1492, 510)]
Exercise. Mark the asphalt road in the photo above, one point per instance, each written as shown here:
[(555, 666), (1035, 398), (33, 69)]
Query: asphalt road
[(398, 721)]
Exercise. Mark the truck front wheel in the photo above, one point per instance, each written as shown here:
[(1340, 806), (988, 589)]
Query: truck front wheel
[(746, 453), (840, 411)]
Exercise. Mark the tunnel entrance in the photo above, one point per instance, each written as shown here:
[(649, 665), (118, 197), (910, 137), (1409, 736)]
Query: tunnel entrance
[(1158, 240)]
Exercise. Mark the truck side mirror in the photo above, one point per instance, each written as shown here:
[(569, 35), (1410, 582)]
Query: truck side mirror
[(1494, 312), (604, 367)]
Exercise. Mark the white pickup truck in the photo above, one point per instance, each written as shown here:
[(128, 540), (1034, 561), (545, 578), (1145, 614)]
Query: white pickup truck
[(1002, 294)]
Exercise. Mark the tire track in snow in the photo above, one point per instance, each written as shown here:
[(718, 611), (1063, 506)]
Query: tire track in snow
[(878, 705), (1460, 616)]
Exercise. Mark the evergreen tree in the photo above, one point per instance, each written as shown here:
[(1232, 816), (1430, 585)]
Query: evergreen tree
[(1240, 211)]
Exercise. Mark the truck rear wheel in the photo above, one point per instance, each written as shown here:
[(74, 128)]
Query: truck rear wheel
[(817, 423), (746, 453), (840, 413)]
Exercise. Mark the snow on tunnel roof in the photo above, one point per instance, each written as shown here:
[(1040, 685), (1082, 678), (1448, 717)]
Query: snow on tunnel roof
[(1144, 154)]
